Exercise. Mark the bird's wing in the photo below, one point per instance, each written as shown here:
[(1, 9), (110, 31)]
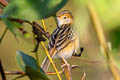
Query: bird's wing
[(60, 37)]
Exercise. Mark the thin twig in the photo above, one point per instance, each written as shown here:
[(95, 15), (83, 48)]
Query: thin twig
[(4, 3), (5, 31), (48, 73), (99, 31), (47, 53), (20, 21), (43, 23), (22, 73), (83, 76), (14, 72), (36, 53), (67, 71), (101, 38), (46, 34), (18, 77), (2, 71), (61, 72)]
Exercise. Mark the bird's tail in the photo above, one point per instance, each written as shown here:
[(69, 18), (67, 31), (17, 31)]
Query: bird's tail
[(45, 64)]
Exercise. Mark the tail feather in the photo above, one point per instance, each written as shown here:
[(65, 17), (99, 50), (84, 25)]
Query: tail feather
[(45, 64)]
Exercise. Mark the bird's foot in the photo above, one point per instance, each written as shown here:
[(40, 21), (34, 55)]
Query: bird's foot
[(66, 64)]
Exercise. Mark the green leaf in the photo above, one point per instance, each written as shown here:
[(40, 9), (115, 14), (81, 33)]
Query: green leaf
[(33, 9), (115, 38), (12, 25), (34, 74), (26, 60)]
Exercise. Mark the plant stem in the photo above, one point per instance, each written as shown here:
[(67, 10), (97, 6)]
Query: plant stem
[(2, 71), (48, 73), (66, 70), (47, 53), (83, 76), (4, 3), (22, 73), (37, 58), (5, 31), (43, 23), (36, 53), (101, 38), (14, 72)]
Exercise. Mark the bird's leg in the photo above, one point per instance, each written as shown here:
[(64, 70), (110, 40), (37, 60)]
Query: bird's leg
[(66, 68), (64, 61)]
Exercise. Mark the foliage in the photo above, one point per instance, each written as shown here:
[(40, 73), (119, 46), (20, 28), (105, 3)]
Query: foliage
[(33, 9), (34, 74), (115, 39), (30, 66), (12, 26)]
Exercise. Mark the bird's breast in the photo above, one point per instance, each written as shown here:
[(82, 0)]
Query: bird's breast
[(67, 51)]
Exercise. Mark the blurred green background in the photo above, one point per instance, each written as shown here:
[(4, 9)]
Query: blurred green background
[(92, 60)]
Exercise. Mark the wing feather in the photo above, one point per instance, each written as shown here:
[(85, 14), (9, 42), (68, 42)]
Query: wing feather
[(60, 36)]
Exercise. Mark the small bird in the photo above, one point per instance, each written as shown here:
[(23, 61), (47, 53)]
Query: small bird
[(63, 42)]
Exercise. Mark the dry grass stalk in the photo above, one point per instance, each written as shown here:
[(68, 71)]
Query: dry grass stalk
[(103, 43)]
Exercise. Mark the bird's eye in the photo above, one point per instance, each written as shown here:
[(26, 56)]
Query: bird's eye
[(65, 17)]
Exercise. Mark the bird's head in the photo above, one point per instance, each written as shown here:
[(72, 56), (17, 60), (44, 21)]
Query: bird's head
[(65, 17)]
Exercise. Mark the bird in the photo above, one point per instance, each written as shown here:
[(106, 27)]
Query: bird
[(63, 42)]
